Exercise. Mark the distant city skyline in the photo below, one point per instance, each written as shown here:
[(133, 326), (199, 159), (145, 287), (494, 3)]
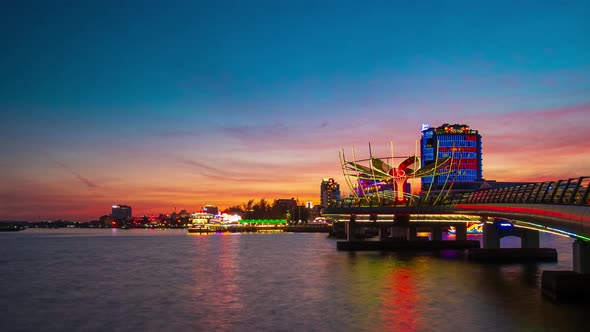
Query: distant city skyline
[(182, 104)]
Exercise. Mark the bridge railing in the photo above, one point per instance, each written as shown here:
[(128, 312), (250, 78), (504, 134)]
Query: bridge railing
[(377, 199), (573, 191)]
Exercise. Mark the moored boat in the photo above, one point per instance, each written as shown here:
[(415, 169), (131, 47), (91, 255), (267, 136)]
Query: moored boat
[(200, 223), (200, 229)]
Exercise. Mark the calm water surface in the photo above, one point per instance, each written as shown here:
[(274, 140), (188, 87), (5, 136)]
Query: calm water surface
[(167, 280)]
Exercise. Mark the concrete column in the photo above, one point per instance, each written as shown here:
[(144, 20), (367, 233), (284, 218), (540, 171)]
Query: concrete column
[(412, 233), (461, 232), (436, 233), (401, 219), (384, 233), (529, 239), (351, 229), (581, 256), (491, 238), (399, 232)]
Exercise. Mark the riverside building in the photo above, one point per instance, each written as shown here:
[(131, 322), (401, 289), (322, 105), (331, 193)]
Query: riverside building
[(458, 142), (329, 192), (121, 212)]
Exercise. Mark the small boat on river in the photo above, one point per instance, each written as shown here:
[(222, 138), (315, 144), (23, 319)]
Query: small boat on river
[(200, 223)]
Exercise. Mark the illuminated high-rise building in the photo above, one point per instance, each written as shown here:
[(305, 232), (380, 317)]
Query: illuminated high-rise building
[(121, 212), (458, 142), (329, 192)]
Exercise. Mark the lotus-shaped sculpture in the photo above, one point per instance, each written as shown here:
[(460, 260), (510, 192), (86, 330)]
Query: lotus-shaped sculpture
[(373, 173)]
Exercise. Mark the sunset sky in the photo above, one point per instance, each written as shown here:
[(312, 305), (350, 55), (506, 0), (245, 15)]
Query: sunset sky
[(164, 105)]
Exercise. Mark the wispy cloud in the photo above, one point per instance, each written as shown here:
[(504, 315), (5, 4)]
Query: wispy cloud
[(201, 166), (84, 180)]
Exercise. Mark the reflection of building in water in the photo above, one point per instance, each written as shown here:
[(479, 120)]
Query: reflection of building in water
[(329, 192)]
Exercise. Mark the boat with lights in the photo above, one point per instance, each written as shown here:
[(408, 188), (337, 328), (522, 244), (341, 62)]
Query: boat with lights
[(201, 223)]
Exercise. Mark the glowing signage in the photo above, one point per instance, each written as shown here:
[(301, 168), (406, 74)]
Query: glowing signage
[(425, 126), (472, 228), (454, 129)]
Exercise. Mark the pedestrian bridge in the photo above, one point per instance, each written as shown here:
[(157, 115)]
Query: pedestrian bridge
[(559, 207), (554, 206)]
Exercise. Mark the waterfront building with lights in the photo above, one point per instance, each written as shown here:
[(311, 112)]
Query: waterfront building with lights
[(329, 192), (121, 212), (458, 142)]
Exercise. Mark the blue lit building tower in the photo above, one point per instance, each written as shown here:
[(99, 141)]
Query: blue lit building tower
[(461, 143)]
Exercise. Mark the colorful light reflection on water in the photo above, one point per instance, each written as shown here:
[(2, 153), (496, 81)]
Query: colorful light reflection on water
[(97, 280)]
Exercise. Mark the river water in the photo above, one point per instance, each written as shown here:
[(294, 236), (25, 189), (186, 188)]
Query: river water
[(167, 280)]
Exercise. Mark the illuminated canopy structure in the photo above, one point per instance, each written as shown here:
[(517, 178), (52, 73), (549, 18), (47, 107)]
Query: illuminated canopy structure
[(377, 178)]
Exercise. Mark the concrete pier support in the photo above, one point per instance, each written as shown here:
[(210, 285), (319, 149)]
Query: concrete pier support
[(529, 238), (491, 238), (437, 233), (384, 234), (570, 286), (401, 219), (581, 257), (401, 228), (412, 233), (492, 233), (529, 245), (351, 229), (400, 233), (461, 232)]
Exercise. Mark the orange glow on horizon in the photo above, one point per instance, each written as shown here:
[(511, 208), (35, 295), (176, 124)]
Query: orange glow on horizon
[(83, 187)]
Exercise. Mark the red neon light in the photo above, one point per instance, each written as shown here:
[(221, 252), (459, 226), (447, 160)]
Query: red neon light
[(522, 210), (458, 149)]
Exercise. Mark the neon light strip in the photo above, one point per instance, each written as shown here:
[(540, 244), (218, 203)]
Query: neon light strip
[(447, 178), (354, 159), (346, 175), (454, 221), (373, 173), (512, 209), (435, 167), (455, 175), (564, 232), (552, 230)]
